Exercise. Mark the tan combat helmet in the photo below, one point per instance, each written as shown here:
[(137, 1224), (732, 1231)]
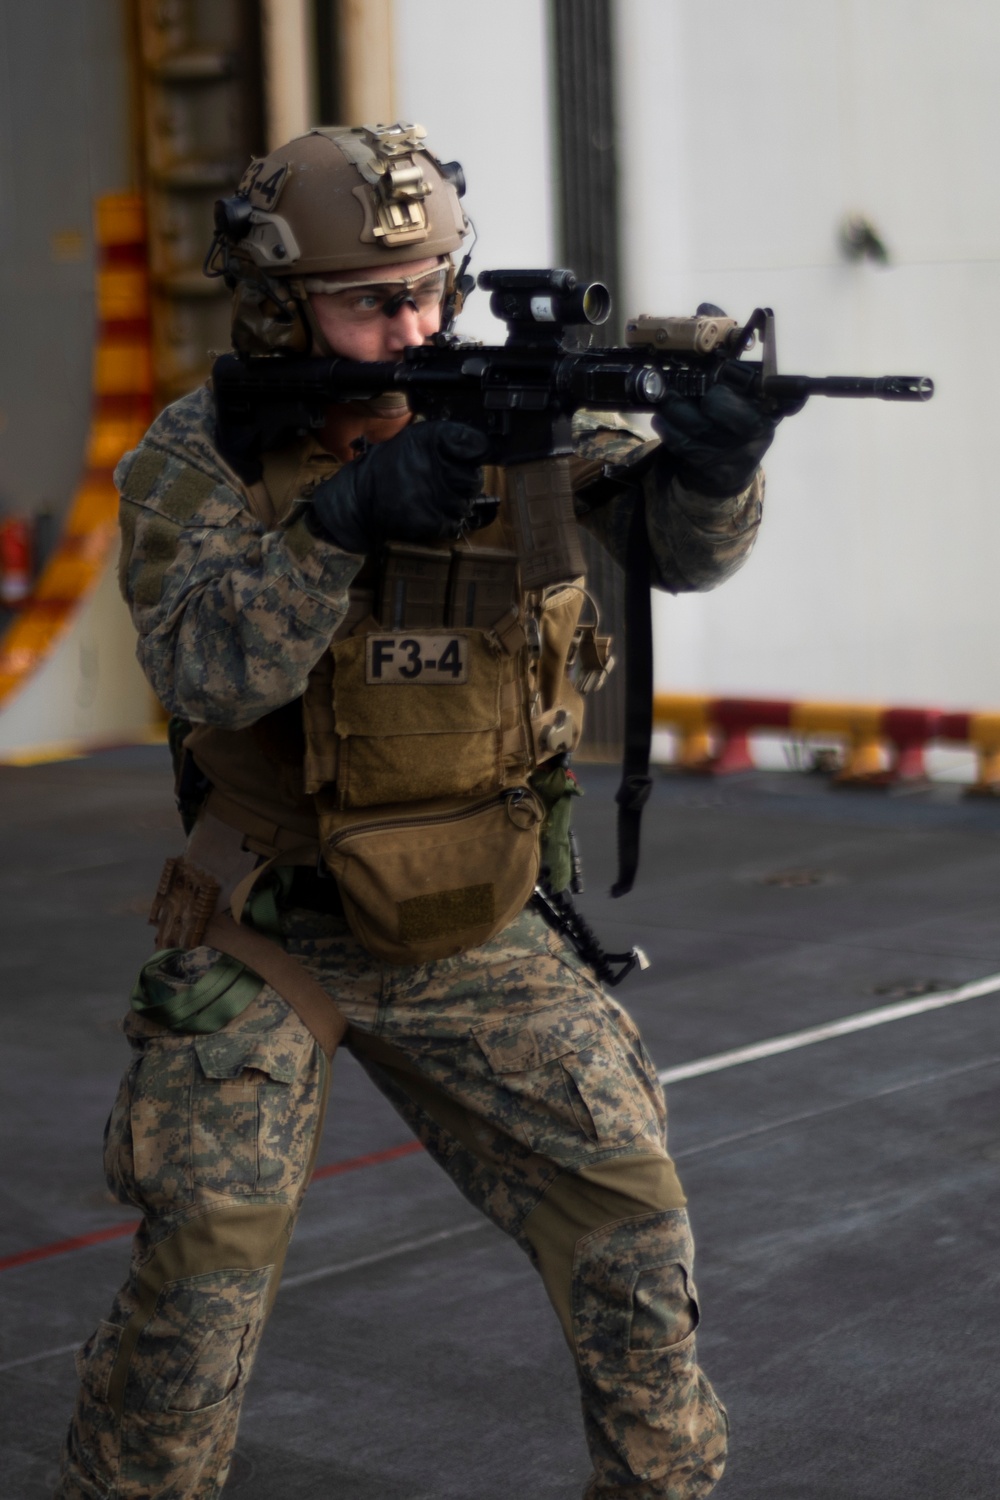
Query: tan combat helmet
[(337, 199)]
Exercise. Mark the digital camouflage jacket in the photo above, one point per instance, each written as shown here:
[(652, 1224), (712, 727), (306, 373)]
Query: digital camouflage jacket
[(232, 614)]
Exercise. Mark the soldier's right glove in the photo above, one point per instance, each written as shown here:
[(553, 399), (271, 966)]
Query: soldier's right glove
[(418, 486)]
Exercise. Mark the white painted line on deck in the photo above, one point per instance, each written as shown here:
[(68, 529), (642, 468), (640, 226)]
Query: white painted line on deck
[(885, 1013), (805, 1117), (342, 1267), (861, 1022), (32, 1359)]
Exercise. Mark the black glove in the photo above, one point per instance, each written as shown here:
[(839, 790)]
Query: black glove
[(717, 442), (419, 486)]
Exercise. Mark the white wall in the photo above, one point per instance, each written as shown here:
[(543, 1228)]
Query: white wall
[(476, 75), (749, 128)]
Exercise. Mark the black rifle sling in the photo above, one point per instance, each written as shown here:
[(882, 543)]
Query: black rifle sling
[(636, 783)]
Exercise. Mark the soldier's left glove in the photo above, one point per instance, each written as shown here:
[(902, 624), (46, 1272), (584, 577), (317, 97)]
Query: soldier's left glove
[(717, 442)]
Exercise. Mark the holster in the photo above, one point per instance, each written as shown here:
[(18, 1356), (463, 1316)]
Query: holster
[(185, 902)]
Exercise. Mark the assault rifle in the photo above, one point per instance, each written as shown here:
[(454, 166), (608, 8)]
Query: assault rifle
[(522, 395)]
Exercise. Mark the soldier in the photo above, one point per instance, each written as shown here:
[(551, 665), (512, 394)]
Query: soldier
[(271, 603)]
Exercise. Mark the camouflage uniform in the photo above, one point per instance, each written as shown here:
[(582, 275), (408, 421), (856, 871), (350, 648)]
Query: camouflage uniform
[(526, 1082)]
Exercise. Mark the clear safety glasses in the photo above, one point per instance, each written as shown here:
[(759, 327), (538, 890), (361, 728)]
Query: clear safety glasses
[(364, 301)]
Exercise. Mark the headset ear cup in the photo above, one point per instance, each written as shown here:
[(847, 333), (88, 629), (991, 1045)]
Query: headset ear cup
[(268, 317)]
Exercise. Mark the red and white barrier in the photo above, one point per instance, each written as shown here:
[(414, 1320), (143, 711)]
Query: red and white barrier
[(881, 745)]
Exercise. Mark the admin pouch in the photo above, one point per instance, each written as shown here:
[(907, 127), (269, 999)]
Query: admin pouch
[(421, 714), (420, 883)]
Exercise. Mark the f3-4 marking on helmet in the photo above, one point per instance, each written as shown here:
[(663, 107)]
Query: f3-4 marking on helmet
[(262, 194), (431, 660)]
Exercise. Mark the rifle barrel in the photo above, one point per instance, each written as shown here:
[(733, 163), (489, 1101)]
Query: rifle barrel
[(882, 387)]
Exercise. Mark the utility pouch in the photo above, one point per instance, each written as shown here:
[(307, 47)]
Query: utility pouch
[(418, 714), (167, 996), (423, 883), (183, 906), (594, 661), (557, 713)]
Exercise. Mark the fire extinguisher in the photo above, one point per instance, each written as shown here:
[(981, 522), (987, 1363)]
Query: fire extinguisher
[(16, 560)]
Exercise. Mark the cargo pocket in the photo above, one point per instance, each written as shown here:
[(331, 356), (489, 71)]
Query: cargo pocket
[(147, 1143), (96, 1359), (249, 1132), (664, 1310), (567, 1083), (119, 1168), (199, 1344)]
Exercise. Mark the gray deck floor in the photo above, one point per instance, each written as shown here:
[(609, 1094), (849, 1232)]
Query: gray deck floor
[(843, 1194)]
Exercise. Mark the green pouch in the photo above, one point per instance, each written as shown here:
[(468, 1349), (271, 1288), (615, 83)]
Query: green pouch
[(557, 787), (221, 993)]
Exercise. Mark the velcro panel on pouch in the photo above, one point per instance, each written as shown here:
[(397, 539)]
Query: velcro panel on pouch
[(395, 708), (423, 918)]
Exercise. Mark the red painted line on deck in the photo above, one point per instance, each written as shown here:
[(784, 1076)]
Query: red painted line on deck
[(121, 1231), (63, 1247), (373, 1159)]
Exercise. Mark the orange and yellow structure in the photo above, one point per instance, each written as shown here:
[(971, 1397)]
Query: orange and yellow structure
[(121, 411), (881, 745)]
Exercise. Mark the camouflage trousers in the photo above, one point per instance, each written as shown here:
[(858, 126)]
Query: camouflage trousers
[(528, 1085)]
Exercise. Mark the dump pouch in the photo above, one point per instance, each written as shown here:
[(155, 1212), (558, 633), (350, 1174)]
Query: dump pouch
[(423, 883)]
